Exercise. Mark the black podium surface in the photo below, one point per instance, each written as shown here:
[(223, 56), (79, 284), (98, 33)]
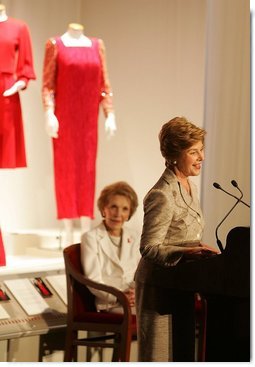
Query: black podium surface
[(228, 322), (224, 280)]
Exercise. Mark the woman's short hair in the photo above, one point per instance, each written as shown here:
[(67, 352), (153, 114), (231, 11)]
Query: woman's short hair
[(118, 188), (178, 135)]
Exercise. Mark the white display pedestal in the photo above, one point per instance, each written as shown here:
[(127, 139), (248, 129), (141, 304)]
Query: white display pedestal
[(37, 242)]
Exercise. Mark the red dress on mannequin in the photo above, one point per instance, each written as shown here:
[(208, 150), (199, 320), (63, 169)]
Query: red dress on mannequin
[(75, 81), (16, 63), (2, 253)]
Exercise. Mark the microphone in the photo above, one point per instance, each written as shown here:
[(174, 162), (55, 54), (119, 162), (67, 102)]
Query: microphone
[(234, 183), (217, 186)]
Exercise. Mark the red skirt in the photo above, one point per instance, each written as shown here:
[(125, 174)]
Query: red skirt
[(12, 143)]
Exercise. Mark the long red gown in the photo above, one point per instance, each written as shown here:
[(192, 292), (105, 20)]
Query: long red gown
[(2, 252), (16, 63), (75, 82)]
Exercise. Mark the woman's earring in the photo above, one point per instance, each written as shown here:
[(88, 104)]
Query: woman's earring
[(174, 162)]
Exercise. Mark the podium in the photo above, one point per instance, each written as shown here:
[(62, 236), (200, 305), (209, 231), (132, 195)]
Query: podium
[(224, 280), (228, 322)]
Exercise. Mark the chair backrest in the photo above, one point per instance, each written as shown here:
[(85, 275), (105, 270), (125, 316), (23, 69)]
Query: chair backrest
[(73, 253), (80, 299)]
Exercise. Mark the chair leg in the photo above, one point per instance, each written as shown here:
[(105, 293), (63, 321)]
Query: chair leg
[(75, 353), (115, 355), (125, 346), (88, 354), (90, 350), (121, 353), (70, 350), (116, 350)]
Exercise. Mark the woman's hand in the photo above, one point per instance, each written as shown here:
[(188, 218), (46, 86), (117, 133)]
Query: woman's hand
[(208, 250), (199, 251), (130, 294)]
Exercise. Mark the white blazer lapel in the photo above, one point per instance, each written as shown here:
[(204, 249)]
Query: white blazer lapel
[(127, 242), (106, 245)]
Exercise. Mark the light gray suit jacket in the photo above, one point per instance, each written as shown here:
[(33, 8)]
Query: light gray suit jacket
[(172, 220)]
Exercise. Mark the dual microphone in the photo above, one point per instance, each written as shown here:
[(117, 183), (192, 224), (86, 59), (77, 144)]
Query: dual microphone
[(234, 183), (238, 200)]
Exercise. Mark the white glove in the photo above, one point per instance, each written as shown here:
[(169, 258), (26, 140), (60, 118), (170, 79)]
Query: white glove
[(20, 84), (51, 123), (110, 124)]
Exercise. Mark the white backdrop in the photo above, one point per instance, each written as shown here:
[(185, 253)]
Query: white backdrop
[(227, 113), (163, 61)]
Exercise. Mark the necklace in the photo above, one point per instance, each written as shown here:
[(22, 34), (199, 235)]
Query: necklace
[(186, 185), (115, 240), (198, 215)]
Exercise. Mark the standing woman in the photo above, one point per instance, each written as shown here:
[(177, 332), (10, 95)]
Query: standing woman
[(172, 232)]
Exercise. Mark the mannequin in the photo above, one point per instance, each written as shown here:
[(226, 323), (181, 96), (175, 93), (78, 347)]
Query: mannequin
[(16, 69), (71, 118), (20, 84), (74, 37)]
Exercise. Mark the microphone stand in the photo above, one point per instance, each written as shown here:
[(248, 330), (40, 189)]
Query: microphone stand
[(217, 186), (219, 243)]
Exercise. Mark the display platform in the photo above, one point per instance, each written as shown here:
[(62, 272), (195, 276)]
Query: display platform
[(28, 241), (33, 300)]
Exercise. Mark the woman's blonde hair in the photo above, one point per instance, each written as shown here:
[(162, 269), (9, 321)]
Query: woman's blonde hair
[(118, 188), (178, 135)]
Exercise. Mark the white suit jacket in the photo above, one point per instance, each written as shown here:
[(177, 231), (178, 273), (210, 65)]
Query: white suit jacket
[(101, 263)]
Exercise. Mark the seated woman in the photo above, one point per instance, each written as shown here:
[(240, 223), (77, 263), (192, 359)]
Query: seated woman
[(110, 252)]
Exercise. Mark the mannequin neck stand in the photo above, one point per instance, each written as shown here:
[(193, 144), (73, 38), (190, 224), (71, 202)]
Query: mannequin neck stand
[(74, 36), (85, 225), (3, 15)]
